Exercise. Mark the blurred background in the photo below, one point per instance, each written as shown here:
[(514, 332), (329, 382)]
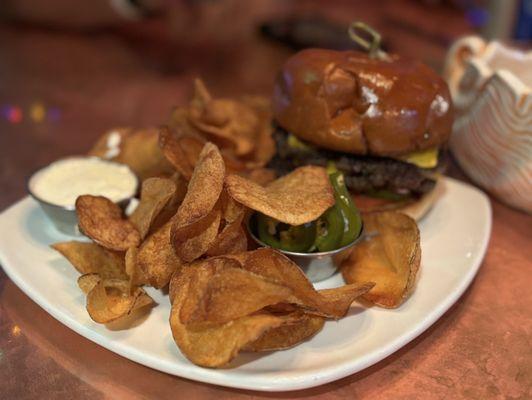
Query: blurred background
[(71, 69)]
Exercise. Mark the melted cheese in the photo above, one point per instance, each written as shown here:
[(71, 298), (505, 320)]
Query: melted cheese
[(423, 159)]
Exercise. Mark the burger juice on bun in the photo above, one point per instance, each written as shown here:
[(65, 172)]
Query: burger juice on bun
[(381, 121)]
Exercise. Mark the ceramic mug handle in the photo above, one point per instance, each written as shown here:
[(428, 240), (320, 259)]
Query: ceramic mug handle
[(457, 57)]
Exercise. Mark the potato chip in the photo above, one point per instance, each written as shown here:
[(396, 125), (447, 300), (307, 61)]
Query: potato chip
[(110, 144), (180, 235), (154, 195), (88, 257), (156, 258), (132, 269), (391, 259), (201, 279), (279, 269), (170, 209), (194, 247), (226, 122), (231, 240), (141, 152), (87, 282), (199, 274), (228, 293), (296, 329), (231, 210), (181, 150), (340, 298), (142, 299), (264, 143), (261, 176), (297, 198), (197, 220), (216, 345), (204, 188), (234, 164), (241, 128), (110, 299), (138, 149), (201, 94), (179, 125), (173, 152), (102, 220)]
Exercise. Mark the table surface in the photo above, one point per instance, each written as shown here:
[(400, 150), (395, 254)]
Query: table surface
[(480, 349)]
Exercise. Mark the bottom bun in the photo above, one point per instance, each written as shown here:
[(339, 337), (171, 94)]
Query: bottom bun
[(415, 209)]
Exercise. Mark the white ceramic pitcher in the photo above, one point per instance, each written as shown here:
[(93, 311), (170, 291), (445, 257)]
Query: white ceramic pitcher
[(492, 134)]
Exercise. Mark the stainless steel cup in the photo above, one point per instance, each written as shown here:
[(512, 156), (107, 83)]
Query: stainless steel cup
[(317, 266), (64, 217)]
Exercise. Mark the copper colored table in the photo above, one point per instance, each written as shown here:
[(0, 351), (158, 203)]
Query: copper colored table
[(480, 349)]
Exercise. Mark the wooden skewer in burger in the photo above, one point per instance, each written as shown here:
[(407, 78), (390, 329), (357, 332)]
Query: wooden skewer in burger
[(378, 118)]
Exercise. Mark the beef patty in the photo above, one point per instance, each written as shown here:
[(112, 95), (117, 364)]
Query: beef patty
[(363, 174)]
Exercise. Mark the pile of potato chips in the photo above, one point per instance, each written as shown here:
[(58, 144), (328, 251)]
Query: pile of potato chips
[(257, 300), (241, 128), (203, 175)]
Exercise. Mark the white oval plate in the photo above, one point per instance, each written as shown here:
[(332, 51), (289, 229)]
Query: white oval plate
[(454, 238)]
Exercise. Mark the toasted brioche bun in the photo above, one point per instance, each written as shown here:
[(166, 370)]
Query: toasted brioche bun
[(346, 101)]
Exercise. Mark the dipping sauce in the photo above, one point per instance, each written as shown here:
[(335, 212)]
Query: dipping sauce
[(63, 181)]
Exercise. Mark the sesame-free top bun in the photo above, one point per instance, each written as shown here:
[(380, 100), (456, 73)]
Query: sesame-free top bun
[(346, 101)]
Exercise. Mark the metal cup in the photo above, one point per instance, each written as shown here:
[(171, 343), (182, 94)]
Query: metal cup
[(64, 218), (316, 266)]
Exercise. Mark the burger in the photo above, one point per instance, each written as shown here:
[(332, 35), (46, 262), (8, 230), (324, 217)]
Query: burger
[(383, 123)]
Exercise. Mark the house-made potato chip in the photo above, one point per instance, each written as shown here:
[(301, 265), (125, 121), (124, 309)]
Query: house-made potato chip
[(88, 257), (294, 330), (297, 198), (138, 149), (156, 258), (229, 293), (110, 299), (280, 269), (102, 220), (213, 345), (390, 258), (181, 150), (154, 195), (197, 220)]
